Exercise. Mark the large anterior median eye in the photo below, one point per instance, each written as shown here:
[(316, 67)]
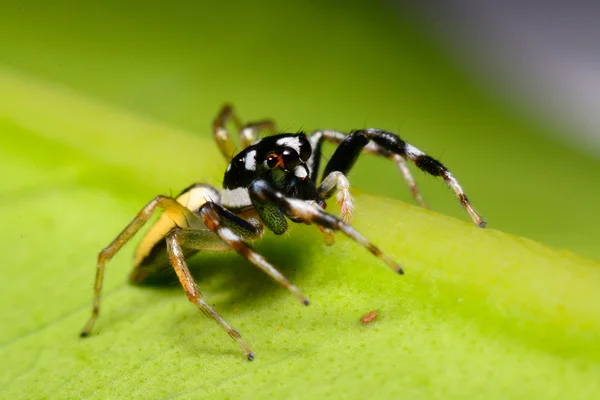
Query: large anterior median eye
[(290, 158), (272, 160)]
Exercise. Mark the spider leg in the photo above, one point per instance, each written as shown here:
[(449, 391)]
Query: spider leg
[(174, 240), (232, 230), (337, 182), (247, 133), (410, 181), (221, 134), (348, 151), (327, 233), (261, 191), (316, 140), (172, 209)]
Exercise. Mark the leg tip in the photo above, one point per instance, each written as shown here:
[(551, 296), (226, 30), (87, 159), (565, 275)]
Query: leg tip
[(84, 334), (482, 224), (400, 270), (250, 356), (306, 302)]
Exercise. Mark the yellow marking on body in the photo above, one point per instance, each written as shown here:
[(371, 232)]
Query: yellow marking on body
[(192, 199)]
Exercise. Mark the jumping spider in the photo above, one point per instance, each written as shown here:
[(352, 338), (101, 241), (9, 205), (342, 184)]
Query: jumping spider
[(271, 180)]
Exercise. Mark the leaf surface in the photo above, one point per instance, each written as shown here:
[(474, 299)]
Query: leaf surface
[(479, 311)]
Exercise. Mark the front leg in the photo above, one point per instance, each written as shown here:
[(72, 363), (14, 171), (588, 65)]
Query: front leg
[(299, 210), (337, 182), (232, 230), (316, 141)]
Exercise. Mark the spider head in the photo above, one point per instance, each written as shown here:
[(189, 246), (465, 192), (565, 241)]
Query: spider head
[(279, 158)]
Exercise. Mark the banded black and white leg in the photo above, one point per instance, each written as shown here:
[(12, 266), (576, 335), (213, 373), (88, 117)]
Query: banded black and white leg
[(247, 134), (347, 152), (232, 230), (235, 231), (316, 140), (273, 207)]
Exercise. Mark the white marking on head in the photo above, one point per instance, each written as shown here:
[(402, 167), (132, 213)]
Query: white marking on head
[(301, 172), (292, 142), (228, 167), (237, 197), (412, 151), (250, 163)]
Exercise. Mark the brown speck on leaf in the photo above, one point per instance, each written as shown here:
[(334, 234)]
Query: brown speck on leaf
[(236, 309), (369, 317), (277, 328)]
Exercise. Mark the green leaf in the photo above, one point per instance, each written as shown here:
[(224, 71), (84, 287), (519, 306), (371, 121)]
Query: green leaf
[(478, 312)]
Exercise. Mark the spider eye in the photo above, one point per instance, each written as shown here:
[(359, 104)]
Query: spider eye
[(305, 151), (290, 157), (272, 160), (239, 162)]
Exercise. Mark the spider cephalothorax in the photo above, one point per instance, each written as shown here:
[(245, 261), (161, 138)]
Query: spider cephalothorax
[(280, 159), (271, 180)]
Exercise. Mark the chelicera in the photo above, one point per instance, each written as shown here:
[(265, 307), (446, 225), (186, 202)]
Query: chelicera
[(273, 179)]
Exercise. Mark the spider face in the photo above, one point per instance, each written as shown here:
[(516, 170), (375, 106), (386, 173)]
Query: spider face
[(287, 153), (271, 181), (280, 159)]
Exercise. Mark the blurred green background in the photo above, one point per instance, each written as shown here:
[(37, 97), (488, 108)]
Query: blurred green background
[(314, 64), (308, 65)]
